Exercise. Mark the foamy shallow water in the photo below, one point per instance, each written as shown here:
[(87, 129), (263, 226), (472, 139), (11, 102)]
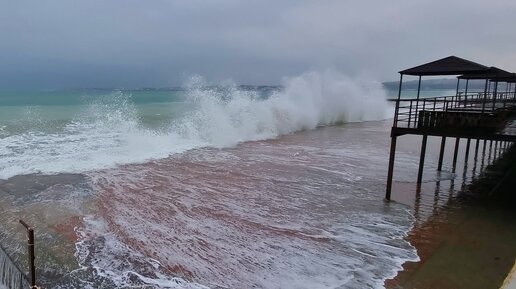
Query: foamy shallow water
[(301, 211), (288, 213)]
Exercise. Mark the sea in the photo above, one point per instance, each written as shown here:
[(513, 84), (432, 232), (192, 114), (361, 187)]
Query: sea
[(206, 185)]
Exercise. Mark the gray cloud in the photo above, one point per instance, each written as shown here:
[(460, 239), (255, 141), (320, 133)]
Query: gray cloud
[(64, 43)]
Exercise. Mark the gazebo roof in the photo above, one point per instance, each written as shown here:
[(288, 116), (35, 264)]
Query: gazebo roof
[(493, 73), (451, 65), (511, 78)]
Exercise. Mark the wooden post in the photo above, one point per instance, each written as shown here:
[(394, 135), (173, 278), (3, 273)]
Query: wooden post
[(416, 113), (454, 103), (490, 150), (475, 158), (514, 96), (466, 93), (476, 148), (391, 168), (485, 97), (483, 155), (466, 157), (30, 246), (457, 140), (422, 160), (393, 144), (505, 94), (396, 112), (441, 153), (494, 94)]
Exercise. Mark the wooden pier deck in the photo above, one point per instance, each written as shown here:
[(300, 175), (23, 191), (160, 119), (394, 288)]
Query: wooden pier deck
[(457, 116), (489, 115)]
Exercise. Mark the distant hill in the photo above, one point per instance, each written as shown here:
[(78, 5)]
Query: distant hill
[(441, 83)]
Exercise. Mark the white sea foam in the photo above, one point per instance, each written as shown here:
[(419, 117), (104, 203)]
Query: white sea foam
[(290, 213), (374, 251), (95, 251), (109, 134)]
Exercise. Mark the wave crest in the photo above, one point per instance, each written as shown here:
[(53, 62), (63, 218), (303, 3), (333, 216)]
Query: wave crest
[(110, 132)]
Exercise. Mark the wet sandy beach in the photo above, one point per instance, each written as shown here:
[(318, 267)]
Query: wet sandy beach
[(305, 210), (469, 242)]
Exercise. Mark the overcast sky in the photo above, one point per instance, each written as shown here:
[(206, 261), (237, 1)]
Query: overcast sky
[(156, 43)]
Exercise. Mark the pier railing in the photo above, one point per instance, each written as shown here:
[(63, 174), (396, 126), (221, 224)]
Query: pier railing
[(11, 276), (415, 113)]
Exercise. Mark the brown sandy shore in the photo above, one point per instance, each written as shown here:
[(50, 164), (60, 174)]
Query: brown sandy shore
[(464, 232), (471, 241)]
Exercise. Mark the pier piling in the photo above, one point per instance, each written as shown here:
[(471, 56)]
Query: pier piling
[(441, 153), (391, 168), (30, 245), (455, 152), (476, 148), (422, 159), (466, 156)]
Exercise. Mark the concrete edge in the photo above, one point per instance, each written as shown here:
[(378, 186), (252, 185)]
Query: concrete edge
[(510, 280)]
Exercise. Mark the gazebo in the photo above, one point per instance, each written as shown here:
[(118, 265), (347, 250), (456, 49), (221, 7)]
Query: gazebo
[(470, 115)]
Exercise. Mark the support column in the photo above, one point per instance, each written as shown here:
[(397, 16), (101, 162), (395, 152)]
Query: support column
[(490, 151), (441, 153), (422, 160), (476, 148), (485, 96), (391, 168), (494, 94), (483, 155), (475, 159), (457, 140), (32, 258), (416, 114), (466, 156)]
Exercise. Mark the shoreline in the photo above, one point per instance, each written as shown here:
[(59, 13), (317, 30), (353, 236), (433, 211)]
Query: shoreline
[(467, 243), (426, 224)]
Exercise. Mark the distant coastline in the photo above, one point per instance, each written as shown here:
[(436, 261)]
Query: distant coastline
[(429, 84), (441, 83)]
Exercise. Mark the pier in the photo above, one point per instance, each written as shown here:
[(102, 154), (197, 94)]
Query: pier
[(486, 115)]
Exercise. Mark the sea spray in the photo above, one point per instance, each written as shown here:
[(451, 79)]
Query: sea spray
[(305, 102), (109, 132)]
